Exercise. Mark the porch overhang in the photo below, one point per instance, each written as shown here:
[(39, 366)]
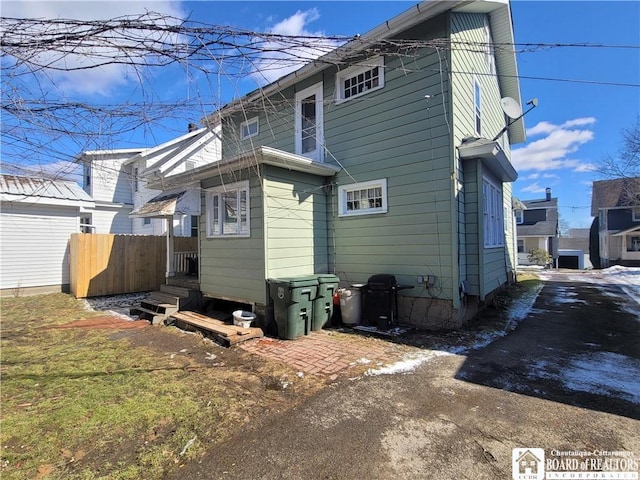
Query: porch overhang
[(621, 233), (252, 158), (492, 156), (168, 204)]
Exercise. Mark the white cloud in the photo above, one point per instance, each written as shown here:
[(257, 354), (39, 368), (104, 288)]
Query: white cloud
[(286, 57), (101, 80), (533, 188), (552, 151)]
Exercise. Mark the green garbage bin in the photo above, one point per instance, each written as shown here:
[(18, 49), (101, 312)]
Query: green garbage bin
[(293, 304), (323, 303)]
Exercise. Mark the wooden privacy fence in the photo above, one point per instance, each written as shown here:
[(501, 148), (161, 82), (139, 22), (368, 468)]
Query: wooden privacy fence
[(107, 264)]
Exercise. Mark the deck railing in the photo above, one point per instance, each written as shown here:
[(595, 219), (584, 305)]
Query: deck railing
[(181, 261)]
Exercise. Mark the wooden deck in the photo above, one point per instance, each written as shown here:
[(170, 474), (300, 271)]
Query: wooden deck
[(224, 333)]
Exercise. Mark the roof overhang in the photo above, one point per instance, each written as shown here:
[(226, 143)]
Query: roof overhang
[(260, 155), (492, 156), (168, 204)]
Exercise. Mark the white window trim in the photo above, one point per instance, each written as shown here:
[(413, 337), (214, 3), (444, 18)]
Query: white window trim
[(318, 153), (213, 192), (246, 123), (145, 223), (477, 106), (490, 49), (635, 214), (356, 70), (519, 217), (342, 198), (492, 214)]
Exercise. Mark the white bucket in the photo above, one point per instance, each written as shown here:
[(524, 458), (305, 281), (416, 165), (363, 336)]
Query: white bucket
[(350, 307), (243, 319)]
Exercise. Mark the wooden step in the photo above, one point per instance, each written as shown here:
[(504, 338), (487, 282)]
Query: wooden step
[(227, 334), (159, 307), (175, 290), (163, 297), (155, 318)]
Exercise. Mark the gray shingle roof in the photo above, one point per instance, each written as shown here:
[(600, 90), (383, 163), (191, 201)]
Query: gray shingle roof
[(547, 227), (619, 192)]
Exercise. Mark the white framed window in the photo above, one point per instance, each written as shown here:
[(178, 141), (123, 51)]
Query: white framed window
[(490, 56), (492, 214), (309, 120), (146, 221), (135, 179), (189, 165), (520, 245), (636, 214), (477, 106), (228, 211), (249, 128), (364, 198), (360, 79), (519, 216)]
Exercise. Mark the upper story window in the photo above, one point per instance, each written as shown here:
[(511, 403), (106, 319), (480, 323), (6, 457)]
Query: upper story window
[(189, 165), (636, 214), (477, 110), (602, 219), (87, 174), (135, 179), (249, 128), (492, 214), (519, 216), (309, 118), (490, 56), (360, 79), (228, 211), (363, 198), (146, 221)]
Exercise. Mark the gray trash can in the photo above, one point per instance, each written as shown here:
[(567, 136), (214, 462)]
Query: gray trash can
[(351, 304)]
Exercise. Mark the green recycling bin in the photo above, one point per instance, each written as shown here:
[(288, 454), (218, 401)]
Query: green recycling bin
[(323, 303), (293, 304)]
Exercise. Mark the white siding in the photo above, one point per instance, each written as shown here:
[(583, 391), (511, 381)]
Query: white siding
[(34, 248), (110, 180)]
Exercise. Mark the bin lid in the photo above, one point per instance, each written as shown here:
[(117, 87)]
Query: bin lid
[(327, 278), (300, 281)]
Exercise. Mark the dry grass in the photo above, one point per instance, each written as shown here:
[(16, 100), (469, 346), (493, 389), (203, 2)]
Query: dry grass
[(86, 403)]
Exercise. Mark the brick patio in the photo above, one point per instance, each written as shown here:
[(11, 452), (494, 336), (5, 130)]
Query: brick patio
[(328, 353)]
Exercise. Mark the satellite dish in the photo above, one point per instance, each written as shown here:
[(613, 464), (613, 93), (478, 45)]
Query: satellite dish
[(511, 107)]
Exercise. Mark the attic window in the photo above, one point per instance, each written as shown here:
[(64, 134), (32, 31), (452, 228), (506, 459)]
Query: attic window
[(360, 79), (249, 128)]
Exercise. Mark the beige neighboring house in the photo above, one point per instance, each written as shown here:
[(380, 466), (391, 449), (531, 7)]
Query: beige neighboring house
[(616, 203)]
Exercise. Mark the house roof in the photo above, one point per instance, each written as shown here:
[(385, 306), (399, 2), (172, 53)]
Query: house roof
[(548, 227), (167, 204), (502, 31), (619, 192), (260, 155), (15, 188)]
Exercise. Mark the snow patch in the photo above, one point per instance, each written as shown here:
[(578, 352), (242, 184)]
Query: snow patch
[(408, 365)]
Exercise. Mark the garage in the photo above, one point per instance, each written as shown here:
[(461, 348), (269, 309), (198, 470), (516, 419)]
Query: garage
[(573, 259)]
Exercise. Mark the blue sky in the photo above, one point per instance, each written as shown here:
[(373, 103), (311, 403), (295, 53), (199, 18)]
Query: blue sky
[(575, 125)]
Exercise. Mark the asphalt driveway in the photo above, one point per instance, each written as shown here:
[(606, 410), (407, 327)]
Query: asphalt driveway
[(565, 379)]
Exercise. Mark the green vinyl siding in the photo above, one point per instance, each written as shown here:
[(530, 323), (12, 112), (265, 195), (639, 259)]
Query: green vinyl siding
[(233, 268), (295, 223), (484, 269), (396, 134)]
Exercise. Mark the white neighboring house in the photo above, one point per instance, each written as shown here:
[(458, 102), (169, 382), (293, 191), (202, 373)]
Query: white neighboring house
[(109, 182), (117, 181), (36, 220)]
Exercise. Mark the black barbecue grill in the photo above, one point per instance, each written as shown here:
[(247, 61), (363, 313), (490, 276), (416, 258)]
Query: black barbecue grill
[(380, 301)]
